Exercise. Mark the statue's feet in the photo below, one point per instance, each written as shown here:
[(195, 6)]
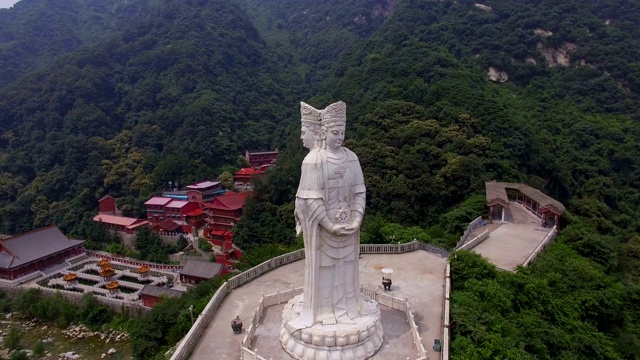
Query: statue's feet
[(329, 321), (353, 315), (347, 319)]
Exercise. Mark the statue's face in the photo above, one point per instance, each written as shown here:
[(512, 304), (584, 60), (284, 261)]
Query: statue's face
[(307, 137), (335, 136)]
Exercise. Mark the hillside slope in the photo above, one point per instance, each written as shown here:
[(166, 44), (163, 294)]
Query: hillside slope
[(173, 97), (37, 32)]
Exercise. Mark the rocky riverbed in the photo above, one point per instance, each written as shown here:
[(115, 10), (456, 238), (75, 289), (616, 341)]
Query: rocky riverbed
[(74, 342)]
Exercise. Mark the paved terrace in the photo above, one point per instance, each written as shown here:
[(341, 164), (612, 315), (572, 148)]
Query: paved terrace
[(511, 244), (418, 275)]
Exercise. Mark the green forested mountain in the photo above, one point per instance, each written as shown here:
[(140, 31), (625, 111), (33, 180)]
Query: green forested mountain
[(35, 32), (176, 90), (175, 96)]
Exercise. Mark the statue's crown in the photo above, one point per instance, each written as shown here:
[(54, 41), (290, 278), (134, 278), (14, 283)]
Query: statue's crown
[(310, 115), (335, 114)]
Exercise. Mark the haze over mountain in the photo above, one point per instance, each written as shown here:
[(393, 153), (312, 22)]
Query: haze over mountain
[(119, 97), (7, 3)]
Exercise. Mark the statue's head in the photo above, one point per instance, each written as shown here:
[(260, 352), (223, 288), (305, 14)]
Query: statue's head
[(310, 131), (334, 124)]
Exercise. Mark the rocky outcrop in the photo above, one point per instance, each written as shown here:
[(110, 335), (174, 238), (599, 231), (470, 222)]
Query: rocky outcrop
[(484, 7), (542, 32), (560, 56), (496, 75)]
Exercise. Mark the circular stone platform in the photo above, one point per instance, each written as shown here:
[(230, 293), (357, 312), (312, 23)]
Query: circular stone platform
[(327, 342)]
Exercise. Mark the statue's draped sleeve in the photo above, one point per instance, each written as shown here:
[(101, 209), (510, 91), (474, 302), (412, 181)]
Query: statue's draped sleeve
[(310, 209), (311, 179)]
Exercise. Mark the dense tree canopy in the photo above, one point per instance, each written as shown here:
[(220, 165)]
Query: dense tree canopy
[(129, 95)]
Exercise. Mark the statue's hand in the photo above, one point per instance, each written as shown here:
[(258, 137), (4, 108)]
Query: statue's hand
[(349, 229), (337, 229), (298, 228)]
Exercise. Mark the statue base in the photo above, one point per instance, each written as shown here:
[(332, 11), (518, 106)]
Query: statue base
[(360, 340)]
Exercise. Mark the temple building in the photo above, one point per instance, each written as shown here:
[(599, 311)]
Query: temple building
[(501, 194), (107, 205), (122, 224), (204, 191), (161, 208), (35, 250), (242, 178), (152, 295), (223, 213), (194, 272), (258, 158)]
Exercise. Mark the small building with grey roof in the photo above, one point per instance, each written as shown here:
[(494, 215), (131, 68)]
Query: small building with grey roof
[(194, 271), (152, 294), (35, 250)]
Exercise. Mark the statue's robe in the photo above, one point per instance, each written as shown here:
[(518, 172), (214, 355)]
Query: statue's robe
[(331, 184)]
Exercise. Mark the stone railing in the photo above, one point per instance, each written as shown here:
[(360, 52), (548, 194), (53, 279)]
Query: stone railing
[(266, 266), (389, 248), (475, 224), (22, 279), (133, 309), (402, 248), (280, 297), (475, 241), (130, 261), (187, 345), (185, 348), (265, 301), (547, 239), (445, 313), (190, 340), (402, 305)]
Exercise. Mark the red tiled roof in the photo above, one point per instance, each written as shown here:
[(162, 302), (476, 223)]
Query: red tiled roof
[(218, 232), (195, 212), (227, 201), (104, 197), (137, 224), (248, 171), (158, 200), (274, 152), (178, 204), (116, 220), (202, 185), (168, 225)]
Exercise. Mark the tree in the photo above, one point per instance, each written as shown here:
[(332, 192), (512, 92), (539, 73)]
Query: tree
[(181, 243), (19, 355), (13, 338), (226, 178), (38, 350)]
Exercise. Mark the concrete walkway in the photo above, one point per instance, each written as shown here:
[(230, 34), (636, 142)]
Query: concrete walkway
[(509, 245), (417, 275)]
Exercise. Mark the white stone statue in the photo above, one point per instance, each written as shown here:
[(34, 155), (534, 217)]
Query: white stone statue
[(329, 209), (311, 120)]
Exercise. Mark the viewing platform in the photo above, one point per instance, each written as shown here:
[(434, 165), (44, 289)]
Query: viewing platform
[(419, 277)]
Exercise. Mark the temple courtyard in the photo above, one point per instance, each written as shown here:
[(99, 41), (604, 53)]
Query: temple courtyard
[(418, 276)]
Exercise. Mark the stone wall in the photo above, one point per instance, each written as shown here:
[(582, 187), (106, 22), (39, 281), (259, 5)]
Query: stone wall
[(445, 313), (546, 241), (131, 261), (74, 297), (476, 223), (470, 244)]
